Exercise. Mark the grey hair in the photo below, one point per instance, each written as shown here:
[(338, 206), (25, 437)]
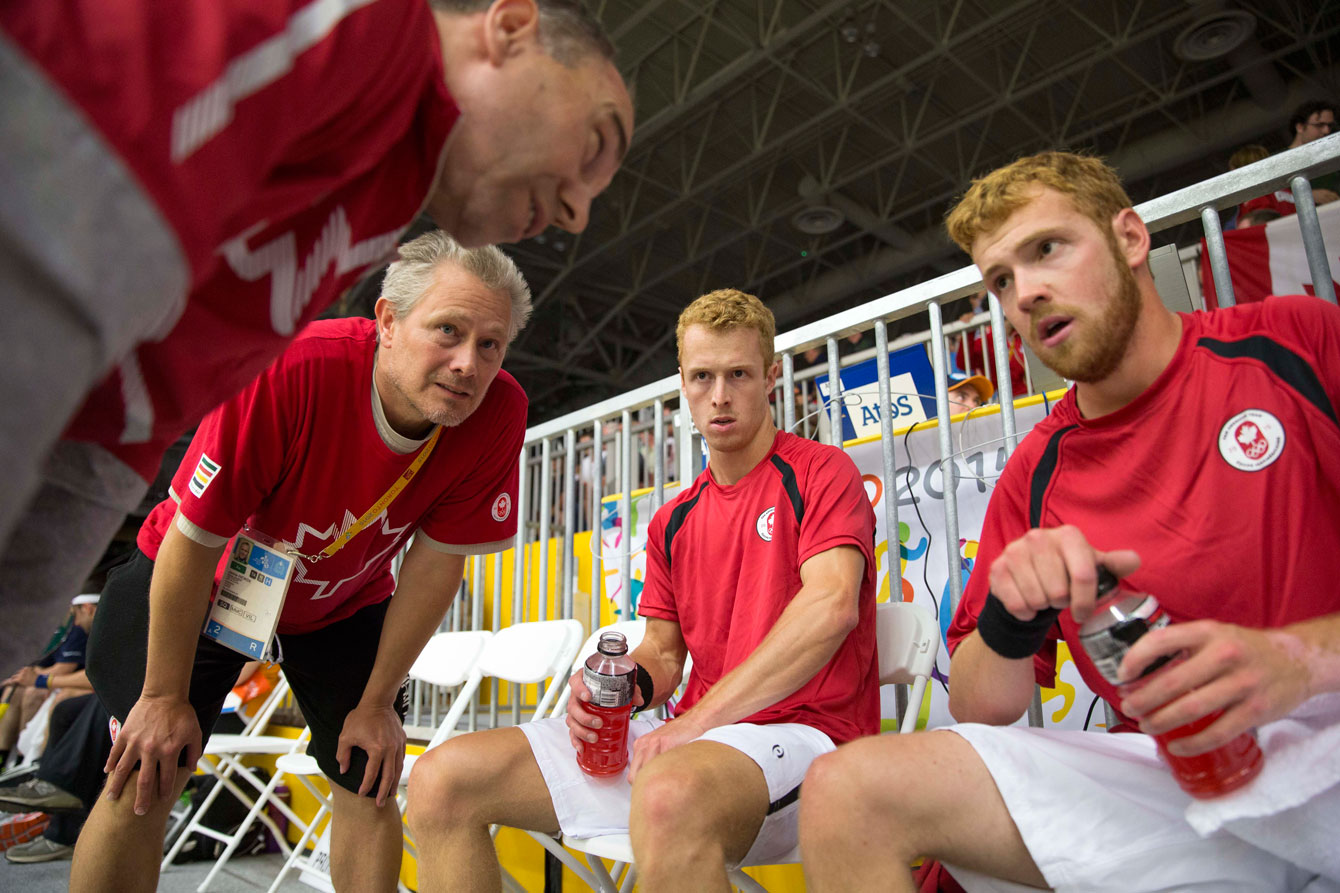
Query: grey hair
[(567, 30), (408, 278)]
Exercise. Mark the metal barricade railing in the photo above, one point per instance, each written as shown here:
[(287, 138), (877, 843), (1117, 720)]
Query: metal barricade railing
[(571, 465)]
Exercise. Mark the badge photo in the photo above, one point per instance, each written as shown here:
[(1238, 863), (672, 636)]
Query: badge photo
[(1251, 440)]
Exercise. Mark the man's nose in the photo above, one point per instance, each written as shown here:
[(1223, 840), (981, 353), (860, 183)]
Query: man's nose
[(574, 207)]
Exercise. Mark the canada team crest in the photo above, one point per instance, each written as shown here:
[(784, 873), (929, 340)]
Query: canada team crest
[(502, 507), (764, 525), (1251, 440)]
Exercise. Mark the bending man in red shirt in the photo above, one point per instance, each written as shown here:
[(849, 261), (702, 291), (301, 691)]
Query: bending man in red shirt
[(1198, 456), (197, 181), (761, 570), (412, 407)]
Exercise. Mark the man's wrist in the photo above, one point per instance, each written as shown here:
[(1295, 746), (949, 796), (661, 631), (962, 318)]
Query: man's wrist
[(1010, 637), (646, 686)]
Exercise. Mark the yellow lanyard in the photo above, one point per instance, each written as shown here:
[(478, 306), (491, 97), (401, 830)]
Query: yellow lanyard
[(380, 505)]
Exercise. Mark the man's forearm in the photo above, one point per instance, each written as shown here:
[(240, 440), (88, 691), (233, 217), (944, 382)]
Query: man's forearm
[(1316, 644), (427, 586), (179, 592), (805, 637), (985, 687)]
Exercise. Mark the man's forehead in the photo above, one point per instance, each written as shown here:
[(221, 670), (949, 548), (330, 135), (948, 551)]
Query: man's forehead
[(1044, 205), (710, 345)]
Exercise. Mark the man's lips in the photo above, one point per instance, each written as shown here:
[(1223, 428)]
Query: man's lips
[(538, 222), (1052, 330), (455, 392)]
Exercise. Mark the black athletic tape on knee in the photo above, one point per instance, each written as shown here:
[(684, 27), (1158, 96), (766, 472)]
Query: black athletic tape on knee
[(644, 685), (1009, 636)]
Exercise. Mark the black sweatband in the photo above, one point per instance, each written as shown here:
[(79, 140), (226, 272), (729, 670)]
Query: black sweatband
[(1009, 636), (644, 685)]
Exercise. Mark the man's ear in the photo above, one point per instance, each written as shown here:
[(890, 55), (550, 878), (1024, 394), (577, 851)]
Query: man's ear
[(1132, 236), (384, 313), (508, 26)]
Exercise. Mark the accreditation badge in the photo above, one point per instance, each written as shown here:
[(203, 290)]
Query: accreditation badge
[(246, 607)]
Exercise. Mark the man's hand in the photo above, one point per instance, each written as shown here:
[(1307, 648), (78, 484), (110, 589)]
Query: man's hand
[(1054, 567), (26, 676), (154, 734), (379, 731), (681, 731), (582, 725), (1254, 676)]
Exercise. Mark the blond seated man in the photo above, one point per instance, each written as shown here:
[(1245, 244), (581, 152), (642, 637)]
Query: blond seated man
[(762, 570)]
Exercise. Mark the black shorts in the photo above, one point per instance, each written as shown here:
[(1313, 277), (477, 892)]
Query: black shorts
[(327, 669)]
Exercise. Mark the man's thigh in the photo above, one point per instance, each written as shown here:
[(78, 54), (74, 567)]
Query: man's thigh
[(1101, 813), (494, 772), (328, 670)]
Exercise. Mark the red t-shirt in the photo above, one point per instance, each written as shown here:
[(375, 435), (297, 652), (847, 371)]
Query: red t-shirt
[(297, 456), (724, 562), (1224, 475), (286, 143)]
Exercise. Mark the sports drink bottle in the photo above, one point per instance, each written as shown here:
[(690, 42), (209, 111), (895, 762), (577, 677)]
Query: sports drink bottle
[(1120, 618), (609, 674)]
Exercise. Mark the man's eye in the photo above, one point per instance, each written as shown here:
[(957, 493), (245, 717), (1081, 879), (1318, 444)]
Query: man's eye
[(1047, 247), (738, 373), (447, 329), (1001, 283)]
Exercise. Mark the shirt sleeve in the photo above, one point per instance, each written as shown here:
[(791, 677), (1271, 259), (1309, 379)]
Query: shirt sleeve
[(1006, 521), (72, 648), (1313, 325), (658, 597), (837, 510), (241, 450), (478, 515)]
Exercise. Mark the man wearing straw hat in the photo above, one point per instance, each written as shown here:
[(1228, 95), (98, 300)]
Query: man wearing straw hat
[(363, 434), (1198, 457)]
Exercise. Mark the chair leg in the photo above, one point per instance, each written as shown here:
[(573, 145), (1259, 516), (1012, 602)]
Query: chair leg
[(262, 798), (194, 821), (308, 833)]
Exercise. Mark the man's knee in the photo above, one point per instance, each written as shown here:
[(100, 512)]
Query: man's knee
[(451, 784), (880, 779), (675, 800)]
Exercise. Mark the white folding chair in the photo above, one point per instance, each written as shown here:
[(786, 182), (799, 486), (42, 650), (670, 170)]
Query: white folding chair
[(907, 640), (228, 751), (448, 660)]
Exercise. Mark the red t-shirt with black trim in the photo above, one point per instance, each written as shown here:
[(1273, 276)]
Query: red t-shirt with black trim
[(1224, 475), (724, 562), (297, 456)]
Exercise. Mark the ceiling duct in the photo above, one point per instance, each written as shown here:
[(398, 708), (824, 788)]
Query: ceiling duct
[(1214, 35), (817, 220)]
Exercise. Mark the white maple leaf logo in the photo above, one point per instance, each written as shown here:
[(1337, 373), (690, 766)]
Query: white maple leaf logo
[(1247, 435)]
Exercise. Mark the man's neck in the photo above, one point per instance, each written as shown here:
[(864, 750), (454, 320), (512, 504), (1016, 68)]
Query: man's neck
[(1152, 346), (729, 468)]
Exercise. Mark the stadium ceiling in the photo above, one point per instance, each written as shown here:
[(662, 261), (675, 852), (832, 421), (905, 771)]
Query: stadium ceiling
[(806, 151)]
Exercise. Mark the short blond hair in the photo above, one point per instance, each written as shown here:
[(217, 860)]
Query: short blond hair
[(1092, 186), (730, 308)]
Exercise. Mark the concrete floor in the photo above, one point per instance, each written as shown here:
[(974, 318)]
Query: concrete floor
[(249, 874)]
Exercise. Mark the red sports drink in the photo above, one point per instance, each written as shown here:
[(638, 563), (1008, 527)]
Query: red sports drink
[(1120, 618), (609, 675)]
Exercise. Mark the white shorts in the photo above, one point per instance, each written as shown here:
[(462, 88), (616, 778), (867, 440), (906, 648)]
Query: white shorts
[(589, 807), (1102, 813)]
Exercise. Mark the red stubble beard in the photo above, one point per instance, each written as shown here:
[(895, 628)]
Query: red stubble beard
[(1100, 341)]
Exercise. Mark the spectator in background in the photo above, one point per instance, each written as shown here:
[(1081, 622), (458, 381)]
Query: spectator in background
[(967, 392), (1310, 121), (1259, 217), (55, 671)]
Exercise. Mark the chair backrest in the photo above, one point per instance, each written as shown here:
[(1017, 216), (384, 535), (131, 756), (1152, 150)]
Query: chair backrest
[(908, 642), (448, 658), (526, 653)]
